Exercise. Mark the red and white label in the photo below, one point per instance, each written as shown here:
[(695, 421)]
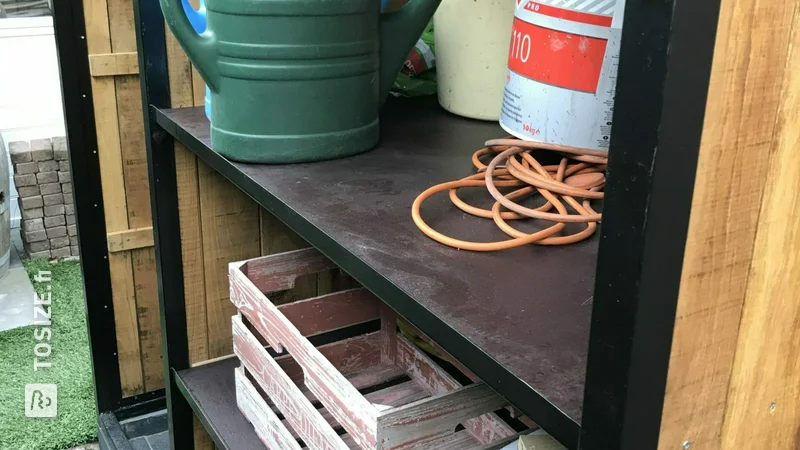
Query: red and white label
[(562, 69), (557, 58)]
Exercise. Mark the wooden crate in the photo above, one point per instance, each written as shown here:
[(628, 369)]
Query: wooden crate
[(377, 387)]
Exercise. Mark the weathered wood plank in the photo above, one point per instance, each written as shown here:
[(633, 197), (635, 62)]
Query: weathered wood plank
[(279, 272), (110, 64), (325, 382), (266, 424), (298, 411), (733, 168), (388, 335), (333, 311), (403, 427), (387, 398), (485, 429), (120, 241), (276, 237)]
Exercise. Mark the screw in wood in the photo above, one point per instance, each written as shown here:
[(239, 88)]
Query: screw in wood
[(772, 407), (686, 445)]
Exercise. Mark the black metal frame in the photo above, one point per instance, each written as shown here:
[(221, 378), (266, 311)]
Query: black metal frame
[(70, 34), (663, 82), (665, 68), (151, 42), (79, 115)]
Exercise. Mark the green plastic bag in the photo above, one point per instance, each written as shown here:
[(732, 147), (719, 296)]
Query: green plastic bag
[(418, 75)]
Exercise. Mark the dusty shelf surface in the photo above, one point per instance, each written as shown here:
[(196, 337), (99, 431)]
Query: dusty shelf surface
[(519, 319)]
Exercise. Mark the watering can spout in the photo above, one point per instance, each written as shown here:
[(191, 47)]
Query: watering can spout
[(400, 31)]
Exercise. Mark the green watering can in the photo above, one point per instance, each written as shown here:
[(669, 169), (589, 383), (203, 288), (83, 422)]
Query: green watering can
[(298, 80)]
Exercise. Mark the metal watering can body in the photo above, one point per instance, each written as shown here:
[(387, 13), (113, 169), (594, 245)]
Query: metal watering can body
[(298, 80)]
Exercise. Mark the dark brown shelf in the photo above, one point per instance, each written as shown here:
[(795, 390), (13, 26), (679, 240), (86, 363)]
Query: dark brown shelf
[(519, 319), (211, 391)]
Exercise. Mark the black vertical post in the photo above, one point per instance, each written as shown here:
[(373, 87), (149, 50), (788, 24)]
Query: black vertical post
[(665, 67), (151, 40), (76, 90)]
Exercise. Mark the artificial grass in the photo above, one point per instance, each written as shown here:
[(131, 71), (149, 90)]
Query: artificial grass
[(71, 369)]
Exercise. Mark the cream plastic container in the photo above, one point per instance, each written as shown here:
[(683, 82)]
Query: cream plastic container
[(472, 39)]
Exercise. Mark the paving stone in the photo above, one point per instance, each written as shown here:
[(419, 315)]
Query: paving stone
[(31, 202), (63, 166), (66, 188), (59, 242), (54, 221), (25, 180), (42, 254), (56, 232), (47, 177), (31, 237), (42, 149), (32, 225), (73, 240), (64, 177), (28, 191), (55, 210), (72, 230), (50, 188), (69, 199), (70, 218), (26, 168), (35, 213), (60, 150), (74, 250), (48, 166), (20, 152), (69, 209), (53, 199)]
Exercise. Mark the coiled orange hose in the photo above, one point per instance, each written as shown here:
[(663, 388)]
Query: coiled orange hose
[(580, 174)]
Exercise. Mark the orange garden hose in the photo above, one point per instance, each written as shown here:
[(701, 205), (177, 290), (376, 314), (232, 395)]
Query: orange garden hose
[(580, 174)]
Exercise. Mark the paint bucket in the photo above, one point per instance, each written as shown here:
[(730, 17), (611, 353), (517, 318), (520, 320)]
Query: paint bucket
[(562, 71)]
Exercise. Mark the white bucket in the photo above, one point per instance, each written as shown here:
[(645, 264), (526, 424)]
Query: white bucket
[(562, 71), (471, 42)]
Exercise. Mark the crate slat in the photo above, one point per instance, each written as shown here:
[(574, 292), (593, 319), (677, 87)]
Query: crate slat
[(284, 393), (280, 271), (266, 424), (330, 387), (486, 429)]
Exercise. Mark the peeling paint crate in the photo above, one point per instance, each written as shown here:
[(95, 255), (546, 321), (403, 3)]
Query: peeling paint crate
[(373, 391)]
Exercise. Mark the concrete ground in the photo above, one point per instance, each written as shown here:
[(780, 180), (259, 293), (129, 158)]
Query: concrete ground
[(16, 290)]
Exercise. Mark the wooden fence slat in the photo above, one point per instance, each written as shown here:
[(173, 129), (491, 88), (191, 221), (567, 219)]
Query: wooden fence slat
[(98, 40), (110, 64), (120, 241), (763, 411), (230, 231), (733, 167), (137, 194)]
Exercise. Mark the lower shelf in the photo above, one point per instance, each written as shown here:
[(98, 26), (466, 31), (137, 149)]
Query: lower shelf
[(211, 391)]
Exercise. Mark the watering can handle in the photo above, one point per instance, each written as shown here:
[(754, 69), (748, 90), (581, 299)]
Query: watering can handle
[(201, 48), (196, 18)]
